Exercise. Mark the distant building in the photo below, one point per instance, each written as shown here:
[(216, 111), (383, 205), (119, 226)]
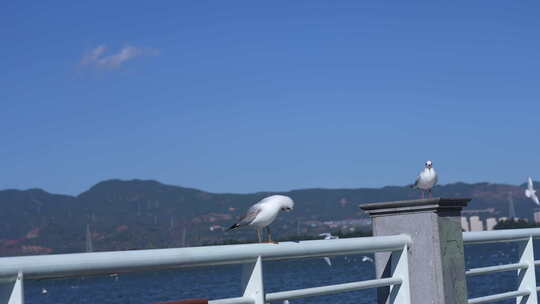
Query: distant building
[(490, 223), (465, 224), (343, 223), (476, 223), (504, 218), (537, 217)]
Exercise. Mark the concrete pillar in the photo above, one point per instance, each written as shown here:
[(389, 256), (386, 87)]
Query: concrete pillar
[(436, 261)]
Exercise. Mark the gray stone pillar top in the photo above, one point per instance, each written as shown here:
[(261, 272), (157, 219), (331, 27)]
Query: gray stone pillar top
[(436, 204), (436, 262)]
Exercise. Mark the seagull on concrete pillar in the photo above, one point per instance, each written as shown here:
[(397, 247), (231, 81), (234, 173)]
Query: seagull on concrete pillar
[(426, 180)]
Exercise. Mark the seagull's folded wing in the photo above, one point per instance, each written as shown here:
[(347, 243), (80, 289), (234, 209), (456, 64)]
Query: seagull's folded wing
[(416, 182), (251, 214)]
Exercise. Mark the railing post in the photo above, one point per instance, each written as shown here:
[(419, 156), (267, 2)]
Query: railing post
[(436, 260), (252, 279), (12, 291), (400, 294), (527, 276)]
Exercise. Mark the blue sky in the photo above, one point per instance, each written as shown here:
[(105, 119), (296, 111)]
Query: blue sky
[(243, 96)]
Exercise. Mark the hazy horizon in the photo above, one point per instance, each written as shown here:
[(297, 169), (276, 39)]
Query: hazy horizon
[(251, 192)]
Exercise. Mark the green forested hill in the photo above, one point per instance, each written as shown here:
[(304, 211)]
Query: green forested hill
[(146, 214)]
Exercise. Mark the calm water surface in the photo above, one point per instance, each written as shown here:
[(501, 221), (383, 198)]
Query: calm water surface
[(224, 281)]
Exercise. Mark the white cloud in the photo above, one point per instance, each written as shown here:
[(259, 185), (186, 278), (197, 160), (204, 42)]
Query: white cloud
[(97, 56)]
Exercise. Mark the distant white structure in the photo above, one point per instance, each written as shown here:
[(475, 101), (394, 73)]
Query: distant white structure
[(184, 237), (490, 223), (465, 224), (89, 245), (476, 223), (511, 209)]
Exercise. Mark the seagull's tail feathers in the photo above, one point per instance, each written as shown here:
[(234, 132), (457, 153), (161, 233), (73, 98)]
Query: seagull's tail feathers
[(528, 193), (233, 227)]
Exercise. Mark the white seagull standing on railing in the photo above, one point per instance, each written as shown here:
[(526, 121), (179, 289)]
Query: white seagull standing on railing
[(328, 236), (530, 192), (264, 213), (427, 179)]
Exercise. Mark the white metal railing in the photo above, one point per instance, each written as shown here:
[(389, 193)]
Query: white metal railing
[(14, 269), (526, 291)]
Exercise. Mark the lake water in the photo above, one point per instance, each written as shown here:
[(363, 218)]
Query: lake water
[(224, 281)]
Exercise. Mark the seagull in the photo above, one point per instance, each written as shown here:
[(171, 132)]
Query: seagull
[(328, 236), (367, 259), (264, 213), (426, 179), (531, 193)]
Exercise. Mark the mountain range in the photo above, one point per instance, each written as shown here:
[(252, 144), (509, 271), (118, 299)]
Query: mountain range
[(133, 214)]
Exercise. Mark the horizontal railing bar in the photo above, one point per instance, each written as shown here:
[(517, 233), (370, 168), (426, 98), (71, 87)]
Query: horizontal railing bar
[(240, 300), (493, 236), (499, 296), (330, 289), (497, 268), (314, 291), (537, 263), (79, 264)]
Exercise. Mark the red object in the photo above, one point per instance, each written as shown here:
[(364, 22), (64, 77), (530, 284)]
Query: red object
[(188, 301)]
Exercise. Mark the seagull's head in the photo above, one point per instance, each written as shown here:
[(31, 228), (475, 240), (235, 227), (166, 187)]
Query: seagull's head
[(287, 204), (429, 164)]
